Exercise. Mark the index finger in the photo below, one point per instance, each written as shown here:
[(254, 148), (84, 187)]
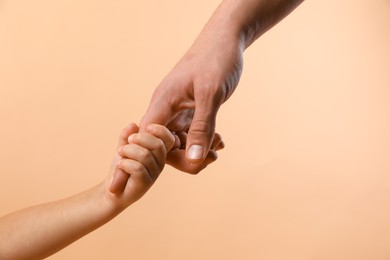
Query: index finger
[(158, 112)]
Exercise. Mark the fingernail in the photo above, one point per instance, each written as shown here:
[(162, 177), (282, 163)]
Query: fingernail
[(195, 152)]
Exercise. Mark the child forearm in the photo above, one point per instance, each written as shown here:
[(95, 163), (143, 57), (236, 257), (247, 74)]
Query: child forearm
[(39, 231), (42, 230)]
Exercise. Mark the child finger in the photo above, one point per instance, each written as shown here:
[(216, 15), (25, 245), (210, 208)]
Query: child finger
[(142, 155), (155, 145), (136, 171), (163, 134), (132, 128)]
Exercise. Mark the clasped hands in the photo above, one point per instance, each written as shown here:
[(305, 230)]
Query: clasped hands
[(188, 99)]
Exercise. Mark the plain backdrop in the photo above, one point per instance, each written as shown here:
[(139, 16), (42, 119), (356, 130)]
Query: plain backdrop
[(305, 173)]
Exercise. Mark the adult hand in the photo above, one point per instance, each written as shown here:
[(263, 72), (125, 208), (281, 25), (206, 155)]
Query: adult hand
[(189, 97)]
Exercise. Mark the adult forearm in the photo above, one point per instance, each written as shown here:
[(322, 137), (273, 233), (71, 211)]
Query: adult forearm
[(249, 19), (39, 231)]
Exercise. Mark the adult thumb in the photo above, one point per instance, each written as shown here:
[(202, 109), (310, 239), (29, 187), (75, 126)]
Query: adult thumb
[(201, 132)]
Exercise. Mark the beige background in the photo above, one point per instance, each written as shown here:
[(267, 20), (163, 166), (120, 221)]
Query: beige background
[(306, 170)]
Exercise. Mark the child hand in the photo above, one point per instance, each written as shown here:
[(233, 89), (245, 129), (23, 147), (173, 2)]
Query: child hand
[(141, 158)]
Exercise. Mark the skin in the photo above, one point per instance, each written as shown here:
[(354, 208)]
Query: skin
[(189, 97), (39, 231), (186, 101)]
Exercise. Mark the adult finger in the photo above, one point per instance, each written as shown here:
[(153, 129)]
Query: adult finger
[(158, 112), (217, 143), (177, 159)]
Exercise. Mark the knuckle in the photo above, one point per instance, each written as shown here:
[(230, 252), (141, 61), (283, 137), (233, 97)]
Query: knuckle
[(121, 163), (202, 127), (138, 167), (144, 154), (124, 150), (160, 145), (134, 138)]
